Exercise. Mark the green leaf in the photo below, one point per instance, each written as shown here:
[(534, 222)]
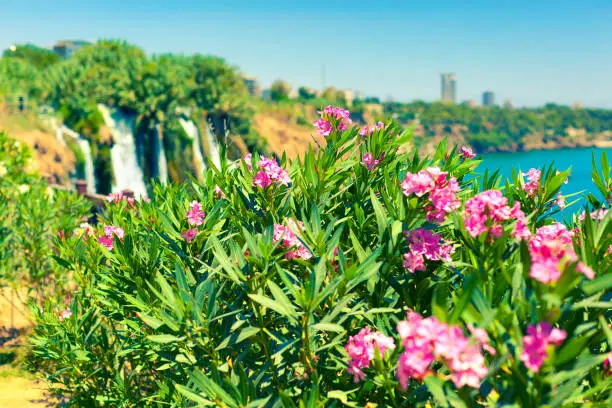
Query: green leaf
[(165, 338)]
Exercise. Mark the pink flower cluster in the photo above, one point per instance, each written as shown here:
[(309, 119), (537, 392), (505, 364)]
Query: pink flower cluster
[(596, 215), (108, 237), (368, 160), (290, 239), (608, 364), (560, 201), (218, 193), (195, 217), (117, 197), (536, 343), (441, 190), (65, 314), (269, 172), (424, 244), (485, 212), (426, 340), (551, 250), (467, 152), (332, 115), (361, 349), (368, 131), (533, 182)]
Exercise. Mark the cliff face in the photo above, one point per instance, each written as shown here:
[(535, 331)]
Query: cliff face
[(291, 131), (284, 134), (50, 157)]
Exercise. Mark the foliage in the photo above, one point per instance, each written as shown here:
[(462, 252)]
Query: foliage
[(40, 58), (493, 127), (279, 90), (19, 77), (216, 309), (154, 90), (31, 219)]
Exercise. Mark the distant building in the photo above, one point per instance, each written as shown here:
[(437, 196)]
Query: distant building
[(576, 105), (293, 94), (347, 95), (470, 102), (252, 86), (266, 94), (488, 98), (449, 88), (66, 49), (508, 104), (373, 108), (359, 96)]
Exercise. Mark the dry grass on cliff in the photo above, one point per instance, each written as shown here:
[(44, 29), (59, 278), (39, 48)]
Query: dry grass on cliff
[(50, 156), (284, 134)]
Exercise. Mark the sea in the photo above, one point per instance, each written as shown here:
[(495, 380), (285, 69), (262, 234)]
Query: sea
[(579, 160)]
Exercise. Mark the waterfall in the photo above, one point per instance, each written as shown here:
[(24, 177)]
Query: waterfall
[(85, 147), (192, 131), (160, 153), (60, 133), (213, 147), (126, 171), (90, 176)]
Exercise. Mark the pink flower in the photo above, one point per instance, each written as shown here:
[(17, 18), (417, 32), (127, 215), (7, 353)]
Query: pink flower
[(596, 215), (368, 131), (218, 193), (109, 230), (115, 197), (467, 152), (108, 242), (441, 189), (361, 349), (480, 335), (195, 214), (269, 172), (189, 234), (290, 240), (424, 244), (552, 250), (560, 201), (533, 184), (330, 117), (108, 238), (368, 160), (536, 343), (65, 314), (426, 340), (323, 127), (485, 213), (608, 364), (262, 180)]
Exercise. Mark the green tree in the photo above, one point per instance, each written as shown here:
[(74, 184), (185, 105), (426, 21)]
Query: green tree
[(279, 90), (40, 58)]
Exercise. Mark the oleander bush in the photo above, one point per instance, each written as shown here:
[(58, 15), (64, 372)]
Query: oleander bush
[(32, 217), (357, 275)]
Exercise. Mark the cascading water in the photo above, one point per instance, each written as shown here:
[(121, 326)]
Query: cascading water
[(90, 176), (213, 147), (160, 153), (192, 131), (126, 171)]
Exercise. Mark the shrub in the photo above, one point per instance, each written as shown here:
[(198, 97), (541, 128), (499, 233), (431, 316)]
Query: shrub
[(361, 276), (33, 216)]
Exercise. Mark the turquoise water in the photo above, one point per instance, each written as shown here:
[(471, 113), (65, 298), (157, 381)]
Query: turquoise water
[(578, 159)]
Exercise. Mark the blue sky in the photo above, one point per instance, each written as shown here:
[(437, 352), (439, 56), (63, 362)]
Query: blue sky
[(532, 52)]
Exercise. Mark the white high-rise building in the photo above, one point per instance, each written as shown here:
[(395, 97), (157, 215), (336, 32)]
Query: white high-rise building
[(449, 87)]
